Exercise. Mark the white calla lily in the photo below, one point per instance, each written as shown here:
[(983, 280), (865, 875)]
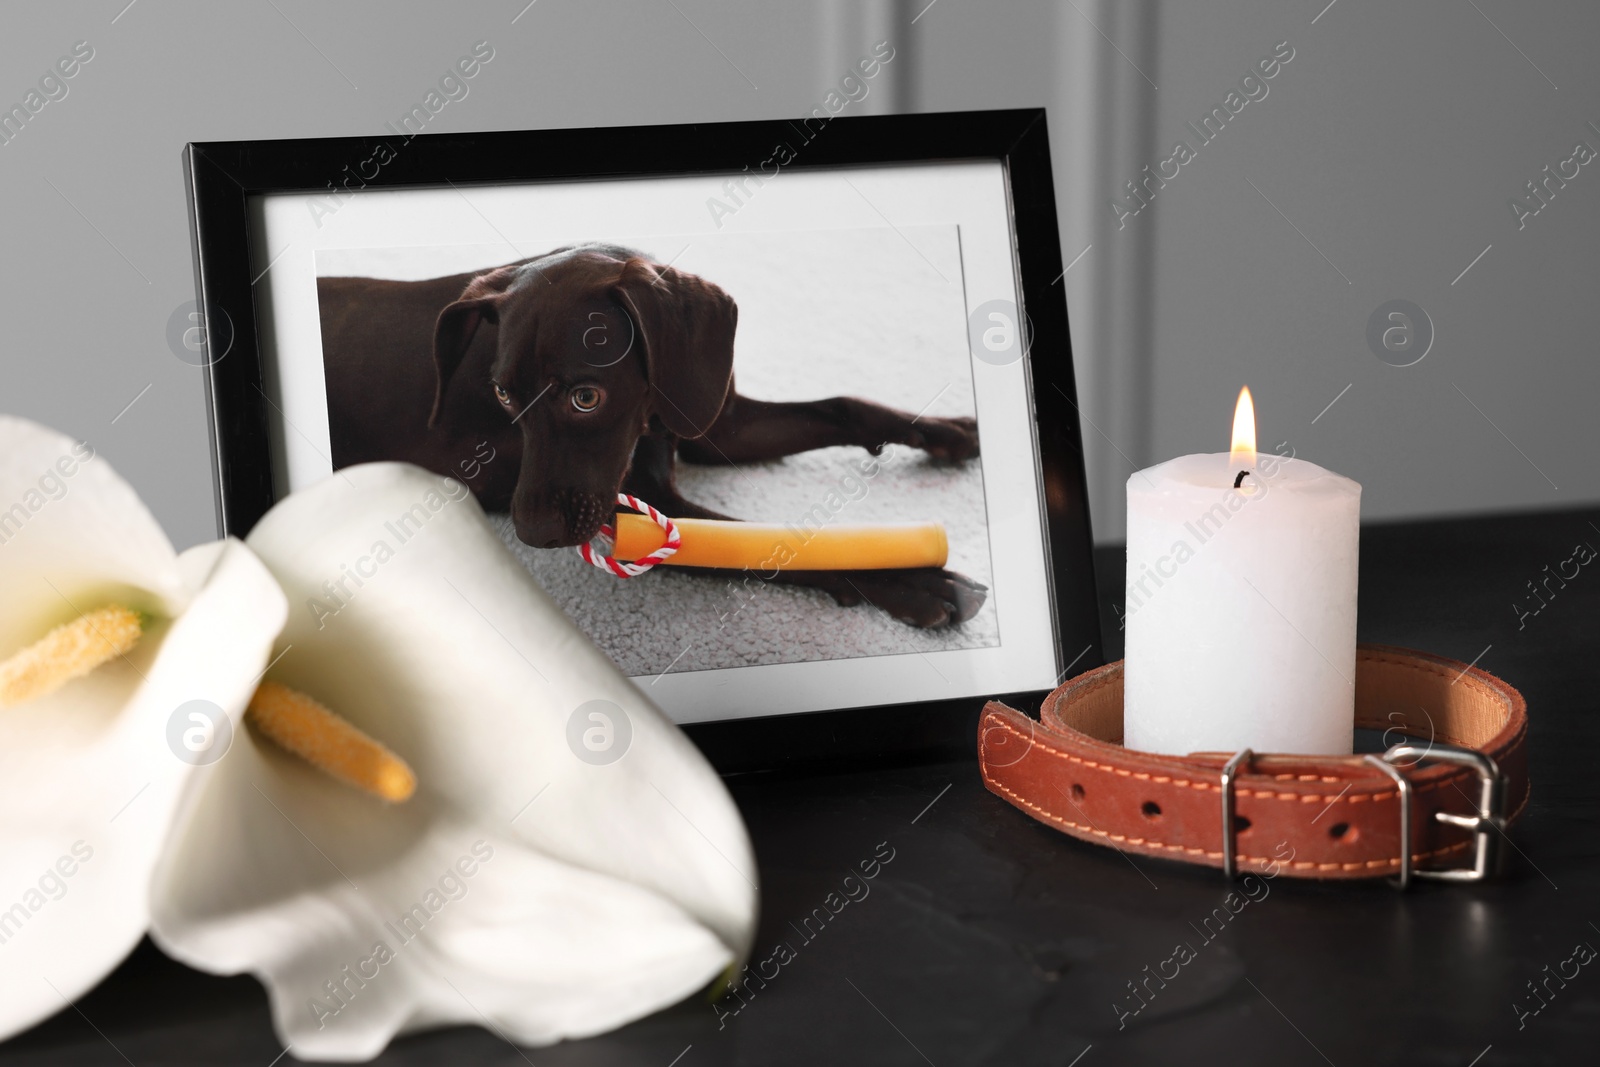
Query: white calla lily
[(569, 862), (92, 772)]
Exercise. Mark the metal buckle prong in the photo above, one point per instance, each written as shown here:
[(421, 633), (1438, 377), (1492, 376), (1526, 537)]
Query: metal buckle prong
[(1229, 836), (1485, 825)]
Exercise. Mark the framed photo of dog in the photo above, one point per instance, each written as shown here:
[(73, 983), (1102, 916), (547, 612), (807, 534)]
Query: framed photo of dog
[(827, 359)]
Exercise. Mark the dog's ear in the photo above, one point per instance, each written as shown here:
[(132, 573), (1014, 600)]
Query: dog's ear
[(458, 323), (687, 326)]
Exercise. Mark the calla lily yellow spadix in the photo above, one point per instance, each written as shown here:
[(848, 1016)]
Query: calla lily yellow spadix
[(70, 651), (324, 740), (292, 719), (89, 784), (531, 884)]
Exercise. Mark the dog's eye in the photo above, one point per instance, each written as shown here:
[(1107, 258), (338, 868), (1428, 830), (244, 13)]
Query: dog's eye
[(585, 398), (500, 393)]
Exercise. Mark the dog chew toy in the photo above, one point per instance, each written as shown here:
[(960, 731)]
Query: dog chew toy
[(763, 546), (651, 538)]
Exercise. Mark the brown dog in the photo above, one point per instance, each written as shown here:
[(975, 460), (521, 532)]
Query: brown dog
[(593, 368)]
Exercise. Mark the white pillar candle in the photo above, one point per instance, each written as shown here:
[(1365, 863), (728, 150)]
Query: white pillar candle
[(1240, 616)]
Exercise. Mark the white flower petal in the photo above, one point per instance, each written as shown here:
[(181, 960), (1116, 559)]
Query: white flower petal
[(475, 926), (73, 536), (409, 618), (89, 783)]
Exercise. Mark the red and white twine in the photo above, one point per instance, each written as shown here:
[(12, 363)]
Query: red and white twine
[(644, 563)]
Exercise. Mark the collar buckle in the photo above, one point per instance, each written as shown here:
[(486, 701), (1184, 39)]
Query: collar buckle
[(1488, 825)]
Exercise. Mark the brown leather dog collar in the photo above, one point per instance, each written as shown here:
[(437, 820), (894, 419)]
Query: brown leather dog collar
[(1458, 777)]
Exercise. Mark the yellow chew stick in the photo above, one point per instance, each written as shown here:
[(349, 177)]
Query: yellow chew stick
[(758, 546)]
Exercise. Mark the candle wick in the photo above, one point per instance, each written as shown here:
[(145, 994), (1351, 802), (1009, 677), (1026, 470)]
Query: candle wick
[(1237, 481)]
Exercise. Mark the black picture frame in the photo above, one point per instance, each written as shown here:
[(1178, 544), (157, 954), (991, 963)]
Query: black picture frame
[(222, 178)]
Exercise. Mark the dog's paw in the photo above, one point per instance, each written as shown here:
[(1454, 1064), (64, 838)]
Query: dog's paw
[(925, 597), (949, 439)]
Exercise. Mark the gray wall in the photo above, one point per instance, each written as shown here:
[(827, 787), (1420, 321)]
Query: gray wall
[(1388, 149), (1390, 144)]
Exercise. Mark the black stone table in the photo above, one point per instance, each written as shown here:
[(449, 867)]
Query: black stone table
[(989, 938)]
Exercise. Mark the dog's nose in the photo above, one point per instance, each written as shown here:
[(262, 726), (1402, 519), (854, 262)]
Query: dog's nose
[(544, 532), (562, 519)]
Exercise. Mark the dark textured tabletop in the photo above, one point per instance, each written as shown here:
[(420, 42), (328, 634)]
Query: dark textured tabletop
[(989, 938)]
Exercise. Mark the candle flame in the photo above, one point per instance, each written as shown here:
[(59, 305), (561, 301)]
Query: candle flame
[(1242, 456)]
